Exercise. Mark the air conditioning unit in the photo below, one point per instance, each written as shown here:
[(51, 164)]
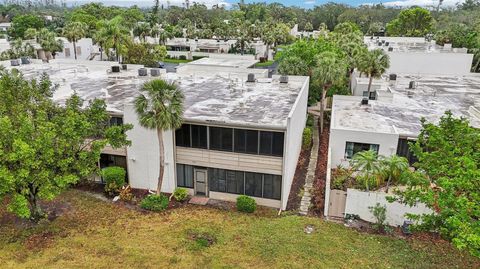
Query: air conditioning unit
[(142, 72), (14, 62), (115, 69), (251, 77), (283, 79), (411, 85), (364, 101), (155, 72), (393, 76)]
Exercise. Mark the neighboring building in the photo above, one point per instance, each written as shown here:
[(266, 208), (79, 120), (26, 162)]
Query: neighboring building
[(4, 26), (239, 136), (386, 125), (86, 50), (415, 55)]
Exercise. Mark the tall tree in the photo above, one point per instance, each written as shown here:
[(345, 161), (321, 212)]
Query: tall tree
[(142, 30), (415, 21), (330, 69), (44, 148), (374, 64), (160, 107), (113, 34), (75, 31)]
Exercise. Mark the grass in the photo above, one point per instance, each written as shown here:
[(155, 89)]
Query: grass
[(175, 61), (264, 64), (101, 235)]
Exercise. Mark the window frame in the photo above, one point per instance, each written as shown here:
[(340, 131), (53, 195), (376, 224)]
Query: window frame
[(374, 147)]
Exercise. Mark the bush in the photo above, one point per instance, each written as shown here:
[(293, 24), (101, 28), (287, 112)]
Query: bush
[(307, 138), (182, 57), (114, 178), (180, 194), (380, 214), (126, 194), (310, 120), (154, 202), (246, 204)]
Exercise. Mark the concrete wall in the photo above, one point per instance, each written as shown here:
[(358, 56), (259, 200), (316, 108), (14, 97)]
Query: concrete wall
[(338, 137), (293, 141), (358, 203), (86, 49), (143, 156), (430, 63), (328, 181)]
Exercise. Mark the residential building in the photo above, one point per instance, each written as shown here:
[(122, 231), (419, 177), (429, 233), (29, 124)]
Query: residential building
[(242, 134)]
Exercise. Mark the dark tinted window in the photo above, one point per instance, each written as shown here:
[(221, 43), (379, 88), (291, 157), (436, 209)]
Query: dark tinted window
[(235, 182), (352, 148), (271, 143), (182, 136), (253, 184), (221, 138), (199, 136), (246, 141), (184, 175), (403, 150), (217, 179), (272, 186), (116, 121)]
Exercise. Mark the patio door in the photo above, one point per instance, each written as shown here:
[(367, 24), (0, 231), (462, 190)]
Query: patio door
[(200, 177)]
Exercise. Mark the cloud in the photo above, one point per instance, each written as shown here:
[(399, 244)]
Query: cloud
[(408, 3), (309, 2)]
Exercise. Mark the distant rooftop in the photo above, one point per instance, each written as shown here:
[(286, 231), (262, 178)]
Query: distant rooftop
[(216, 98), (232, 61), (399, 109), (409, 44)]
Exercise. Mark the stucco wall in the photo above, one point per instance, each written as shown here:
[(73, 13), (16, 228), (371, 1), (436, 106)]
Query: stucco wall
[(338, 138), (86, 45), (430, 63), (143, 156), (293, 141), (358, 203)]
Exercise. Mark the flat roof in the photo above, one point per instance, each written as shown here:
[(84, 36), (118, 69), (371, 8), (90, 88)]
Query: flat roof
[(404, 44), (216, 98), (232, 61), (399, 109)]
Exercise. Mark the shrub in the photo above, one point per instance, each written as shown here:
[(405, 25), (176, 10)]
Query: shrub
[(180, 194), (182, 57), (310, 120), (114, 178), (380, 214), (246, 204), (307, 137), (155, 202)]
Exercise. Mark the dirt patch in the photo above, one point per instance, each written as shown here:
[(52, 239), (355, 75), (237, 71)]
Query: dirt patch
[(318, 197), (39, 241), (202, 239), (294, 198)]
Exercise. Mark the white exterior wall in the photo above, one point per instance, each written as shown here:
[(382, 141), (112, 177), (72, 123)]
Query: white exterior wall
[(293, 141), (86, 48), (143, 157), (233, 198), (430, 63), (358, 203), (339, 137)]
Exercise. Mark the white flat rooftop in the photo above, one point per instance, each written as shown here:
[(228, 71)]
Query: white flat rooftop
[(406, 44), (399, 109), (232, 61), (216, 98)]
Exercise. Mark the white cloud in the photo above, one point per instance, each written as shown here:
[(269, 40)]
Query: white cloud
[(309, 2)]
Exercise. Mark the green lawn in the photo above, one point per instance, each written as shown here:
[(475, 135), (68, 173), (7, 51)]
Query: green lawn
[(176, 61), (102, 235), (264, 64)]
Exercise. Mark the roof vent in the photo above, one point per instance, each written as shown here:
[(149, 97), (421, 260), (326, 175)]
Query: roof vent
[(364, 101), (25, 60), (411, 85), (14, 62), (390, 49), (155, 72), (393, 76), (142, 72), (251, 77), (124, 67), (283, 79), (387, 44), (115, 69)]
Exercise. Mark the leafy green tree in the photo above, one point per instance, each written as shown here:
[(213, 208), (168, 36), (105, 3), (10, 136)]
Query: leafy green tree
[(142, 30), (112, 34), (45, 148), (21, 23), (160, 107), (393, 167), (330, 69), (18, 48), (144, 54), (308, 27), (374, 63), (448, 182), (414, 21), (75, 31), (368, 167), (49, 43), (293, 65)]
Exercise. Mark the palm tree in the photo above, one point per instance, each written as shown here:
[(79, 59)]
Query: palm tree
[(329, 69), (49, 43), (160, 107), (75, 31), (393, 167), (354, 52), (113, 34), (366, 162), (374, 64), (142, 30)]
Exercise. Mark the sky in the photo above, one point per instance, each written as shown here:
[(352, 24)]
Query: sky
[(301, 3)]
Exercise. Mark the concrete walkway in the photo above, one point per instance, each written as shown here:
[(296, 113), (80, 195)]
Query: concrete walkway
[(312, 166)]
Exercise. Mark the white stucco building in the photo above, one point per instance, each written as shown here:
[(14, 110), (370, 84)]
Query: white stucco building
[(240, 136)]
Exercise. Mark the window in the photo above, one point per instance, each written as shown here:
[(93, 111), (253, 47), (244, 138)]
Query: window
[(403, 150), (199, 136), (182, 136), (373, 95), (235, 182), (253, 184), (217, 179), (184, 175), (116, 121), (221, 138), (353, 148), (107, 160), (272, 186), (271, 143), (246, 141)]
